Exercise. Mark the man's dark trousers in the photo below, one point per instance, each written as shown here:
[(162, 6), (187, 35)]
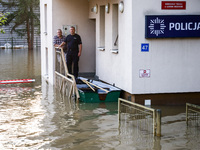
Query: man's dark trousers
[(73, 58)]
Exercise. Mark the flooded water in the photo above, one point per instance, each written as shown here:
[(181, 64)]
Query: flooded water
[(35, 116)]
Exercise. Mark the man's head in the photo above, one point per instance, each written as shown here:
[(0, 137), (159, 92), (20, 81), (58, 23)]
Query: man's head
[(59, 33), (72, 30)]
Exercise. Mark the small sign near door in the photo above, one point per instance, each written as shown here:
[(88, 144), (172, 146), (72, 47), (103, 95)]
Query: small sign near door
[(144, 73), (173, 4)]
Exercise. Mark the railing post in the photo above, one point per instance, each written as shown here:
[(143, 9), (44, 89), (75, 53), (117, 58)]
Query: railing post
[(119, 109), (158, 122), (187, 113), (61, 63), (154, 122)]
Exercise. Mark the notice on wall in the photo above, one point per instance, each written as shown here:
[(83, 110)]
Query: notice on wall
[(173, 5), (144, 73)]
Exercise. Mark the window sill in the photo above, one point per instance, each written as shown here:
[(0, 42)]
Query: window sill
[(101, 48), (115, 51)]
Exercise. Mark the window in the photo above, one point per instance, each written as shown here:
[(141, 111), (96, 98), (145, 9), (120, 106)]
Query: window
[(115, 29), (45, 19), (102, 28)]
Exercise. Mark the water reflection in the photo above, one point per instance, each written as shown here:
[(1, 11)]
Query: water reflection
[(20, 113), (19, 63), (20, 104), (36, 116)]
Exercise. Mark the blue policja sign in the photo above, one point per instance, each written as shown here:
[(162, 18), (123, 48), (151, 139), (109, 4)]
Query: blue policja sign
[(172, 26)]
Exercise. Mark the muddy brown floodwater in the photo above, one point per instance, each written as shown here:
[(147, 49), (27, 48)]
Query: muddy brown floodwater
[(34, 116)]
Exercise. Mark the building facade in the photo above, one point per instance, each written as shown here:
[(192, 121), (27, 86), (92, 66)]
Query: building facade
[(146, 48)]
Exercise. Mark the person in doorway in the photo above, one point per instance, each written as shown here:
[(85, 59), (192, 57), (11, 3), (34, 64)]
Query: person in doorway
[(74, 50), (57, 40)]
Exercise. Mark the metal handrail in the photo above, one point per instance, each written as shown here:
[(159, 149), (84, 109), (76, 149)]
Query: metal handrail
[(155, 113), (192, 108), (67, 73)]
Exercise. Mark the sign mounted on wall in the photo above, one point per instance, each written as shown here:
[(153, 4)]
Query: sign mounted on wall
[(145, 47), (172, 26), (173, 5), (144, 73)]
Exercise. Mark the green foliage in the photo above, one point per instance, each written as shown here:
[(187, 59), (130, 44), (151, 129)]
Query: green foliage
[(3, 20), (22, 13)]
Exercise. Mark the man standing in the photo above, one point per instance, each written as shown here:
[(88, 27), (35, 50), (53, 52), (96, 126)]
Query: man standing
[(57, 40), (74, 49)]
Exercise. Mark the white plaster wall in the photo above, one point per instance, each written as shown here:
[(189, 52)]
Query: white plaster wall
[(115, 68), (46, 41), (174, 63)]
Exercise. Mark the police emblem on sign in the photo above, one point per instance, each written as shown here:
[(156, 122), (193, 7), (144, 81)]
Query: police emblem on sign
[(157, 26)]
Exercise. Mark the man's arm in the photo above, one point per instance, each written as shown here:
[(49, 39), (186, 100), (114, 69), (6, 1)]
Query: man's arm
[(62, 44), (56, 45), (80, 50)]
